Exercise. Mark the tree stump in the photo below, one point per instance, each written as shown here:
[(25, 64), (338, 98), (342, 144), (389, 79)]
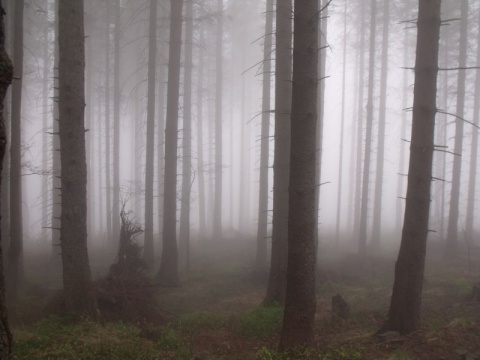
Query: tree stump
[(475, 294), (340, 308)]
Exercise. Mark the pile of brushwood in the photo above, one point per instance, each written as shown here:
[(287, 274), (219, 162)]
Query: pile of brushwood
[(126, 293)]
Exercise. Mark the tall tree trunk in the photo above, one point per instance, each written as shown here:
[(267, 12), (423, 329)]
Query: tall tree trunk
[(200, 162), (342, 127), (322, 44), (78, 290), (148, 250), (88, 119), (168, 272), (404, 313), (368, 135), (108, 173), (217, 210), (56, 183), (403, 127), (6, 75), (116, 127), (360, 112), (184, 235), (281, 164), (298, 330), (473, 153), (452, 229), (377, 202), (262, 226), (15, 251), (45, 113)]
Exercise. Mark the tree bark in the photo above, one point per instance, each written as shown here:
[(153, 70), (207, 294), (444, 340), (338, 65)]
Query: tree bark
[(168, 272), (15, 251), (300, 302), (217, 209), (78, 290), (377, 201), (262, 225), (148, 249), (404, 313), (6, 75), (184, 235), (281, 164), (368, 135), (452, 229)]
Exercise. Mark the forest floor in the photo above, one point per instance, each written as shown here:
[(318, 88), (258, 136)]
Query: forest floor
[(216, 314)]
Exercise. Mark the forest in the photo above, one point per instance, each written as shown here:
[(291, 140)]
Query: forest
[(226, 179)]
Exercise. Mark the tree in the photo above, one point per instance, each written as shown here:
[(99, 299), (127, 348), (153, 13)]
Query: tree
[(404, 312), (452, 228), (15, 251), (148, 253), (168, 272), (368, 135), (281, 164), (473, 152), (217, 208), (78, 291), (262, 226), (300, 302), (377, 202), (184, 235), (6, 75)]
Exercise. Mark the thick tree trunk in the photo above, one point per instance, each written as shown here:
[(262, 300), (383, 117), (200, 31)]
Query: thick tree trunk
[(148, 249), (262, 225), (78, 290), (377, 201), (168, 272), (404, 313), (217, 209), (15, 251), (184, 235), (452, 229), (6, 75), (300, 302), (281, 164)]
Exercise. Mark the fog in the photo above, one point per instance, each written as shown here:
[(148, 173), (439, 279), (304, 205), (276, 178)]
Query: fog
[(242, 55)]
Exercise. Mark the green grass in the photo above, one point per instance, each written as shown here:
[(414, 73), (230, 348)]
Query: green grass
[(61, 338), (261, 322)]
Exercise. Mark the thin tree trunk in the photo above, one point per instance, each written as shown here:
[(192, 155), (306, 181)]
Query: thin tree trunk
[(342, 127), (45, 113), (404, 313), (184, 235), (377, 202), (15, 251), (470, 215), (78, 290), (116, 128), (168, 272), (217, 209), (298, 322), (148, 250), (262, 226), (281, 164), (368, 135), (200, 164), (452, 230), (360, 112), (108, 173)]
